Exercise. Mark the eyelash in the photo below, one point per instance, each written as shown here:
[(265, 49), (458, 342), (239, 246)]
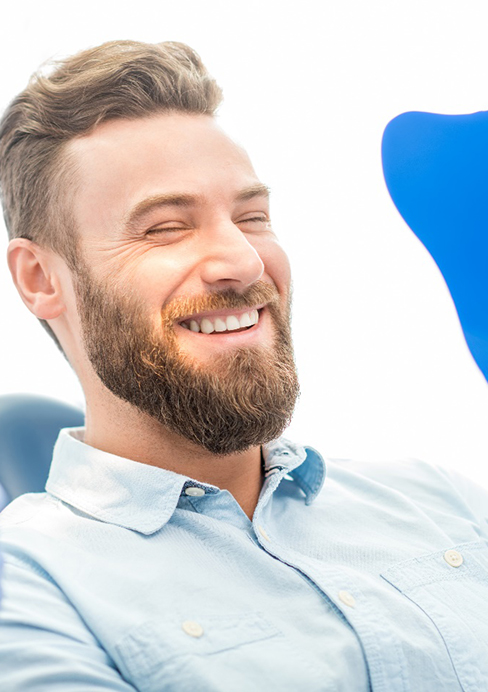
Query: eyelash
[(255, 218), (166, 229)]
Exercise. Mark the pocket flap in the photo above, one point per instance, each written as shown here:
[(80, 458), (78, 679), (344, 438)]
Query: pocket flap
[(154, 644)]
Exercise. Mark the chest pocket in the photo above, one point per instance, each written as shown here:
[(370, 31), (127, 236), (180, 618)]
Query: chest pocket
[(210, 654), (451, 587)]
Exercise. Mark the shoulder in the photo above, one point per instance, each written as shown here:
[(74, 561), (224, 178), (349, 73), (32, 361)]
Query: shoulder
[(23, 509), (32, 524), (427, 485), (396, 473)]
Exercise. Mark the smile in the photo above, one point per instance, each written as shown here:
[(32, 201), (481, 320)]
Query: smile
[(221, 323)]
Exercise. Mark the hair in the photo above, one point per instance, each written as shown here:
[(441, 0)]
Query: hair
[(119, 79)]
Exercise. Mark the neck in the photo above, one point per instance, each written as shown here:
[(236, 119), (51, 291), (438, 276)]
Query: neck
[(116, 427)]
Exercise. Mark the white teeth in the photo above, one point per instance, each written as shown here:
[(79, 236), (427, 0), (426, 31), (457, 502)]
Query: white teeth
[(220, 325), (232, 323), (206, 326), (245, 320)]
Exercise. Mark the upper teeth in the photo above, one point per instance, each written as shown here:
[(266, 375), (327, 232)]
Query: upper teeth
[(222, 324)]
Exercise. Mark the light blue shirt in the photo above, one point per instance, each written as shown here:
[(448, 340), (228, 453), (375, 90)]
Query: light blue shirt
[(351, 577)]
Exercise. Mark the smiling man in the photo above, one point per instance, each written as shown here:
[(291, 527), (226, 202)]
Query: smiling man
[(182, 544), (180, 279)]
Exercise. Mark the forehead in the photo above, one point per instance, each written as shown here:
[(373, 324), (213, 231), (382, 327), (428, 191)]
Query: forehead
[(124, 161)]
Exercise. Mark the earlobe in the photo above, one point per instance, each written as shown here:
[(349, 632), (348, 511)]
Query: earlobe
[(35, 277)]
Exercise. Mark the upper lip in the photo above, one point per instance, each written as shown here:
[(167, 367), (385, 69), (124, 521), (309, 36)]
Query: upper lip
[(213, 314)]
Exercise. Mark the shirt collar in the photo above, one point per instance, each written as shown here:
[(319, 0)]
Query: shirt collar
[(304, 464), (143, 498)]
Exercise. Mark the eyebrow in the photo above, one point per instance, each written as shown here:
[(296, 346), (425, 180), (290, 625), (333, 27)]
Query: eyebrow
[(258, 190), (185, 200)]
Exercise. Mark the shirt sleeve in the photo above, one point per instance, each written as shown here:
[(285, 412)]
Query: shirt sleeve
[(44, 644)]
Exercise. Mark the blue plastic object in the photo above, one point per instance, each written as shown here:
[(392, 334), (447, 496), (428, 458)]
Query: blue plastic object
[(436, 170), (29, 427)]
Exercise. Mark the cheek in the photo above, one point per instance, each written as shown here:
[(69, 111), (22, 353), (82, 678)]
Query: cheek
[(277, 265), (154, 277)]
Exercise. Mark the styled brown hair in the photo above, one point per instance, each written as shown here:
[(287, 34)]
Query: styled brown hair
[(119, 79)]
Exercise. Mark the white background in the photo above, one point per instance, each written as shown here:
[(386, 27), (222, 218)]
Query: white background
[(309, 88)]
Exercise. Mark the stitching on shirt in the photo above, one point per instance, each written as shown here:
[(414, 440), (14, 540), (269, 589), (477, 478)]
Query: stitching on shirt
[(192, 502), (399, 574)]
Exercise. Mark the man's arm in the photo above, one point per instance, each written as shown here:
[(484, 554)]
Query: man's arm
[(44, 643)]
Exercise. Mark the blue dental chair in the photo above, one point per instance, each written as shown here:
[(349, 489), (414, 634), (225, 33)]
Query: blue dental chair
[(29, 427), (436, 171)]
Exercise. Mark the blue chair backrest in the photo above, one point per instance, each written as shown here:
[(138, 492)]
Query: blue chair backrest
[(436, 170), (29, 427)]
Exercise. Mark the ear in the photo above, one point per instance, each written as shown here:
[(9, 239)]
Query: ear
[(36, 275)]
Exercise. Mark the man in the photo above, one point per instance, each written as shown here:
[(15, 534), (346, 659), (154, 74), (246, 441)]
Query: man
[(181, 543)]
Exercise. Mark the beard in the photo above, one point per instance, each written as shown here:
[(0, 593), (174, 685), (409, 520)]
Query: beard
[(240, 399)]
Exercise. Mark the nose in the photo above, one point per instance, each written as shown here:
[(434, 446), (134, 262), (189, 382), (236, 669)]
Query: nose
[(228, 258)]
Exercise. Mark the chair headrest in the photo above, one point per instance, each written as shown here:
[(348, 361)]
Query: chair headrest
[(436, 170), (29, 427)]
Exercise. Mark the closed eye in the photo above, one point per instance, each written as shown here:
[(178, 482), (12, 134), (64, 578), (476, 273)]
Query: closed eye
[(256, 219), (167, 229)]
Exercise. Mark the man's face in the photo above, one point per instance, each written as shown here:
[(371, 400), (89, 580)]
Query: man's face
[(182, 289)]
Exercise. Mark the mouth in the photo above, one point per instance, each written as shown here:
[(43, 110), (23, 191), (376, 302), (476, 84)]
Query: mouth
[(223, 322)]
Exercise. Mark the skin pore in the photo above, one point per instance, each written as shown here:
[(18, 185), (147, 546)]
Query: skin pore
[(174, 226)]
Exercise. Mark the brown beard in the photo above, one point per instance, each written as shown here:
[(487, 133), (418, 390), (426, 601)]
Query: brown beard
[(239, 400)]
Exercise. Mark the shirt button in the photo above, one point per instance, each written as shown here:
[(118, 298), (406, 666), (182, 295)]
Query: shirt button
[(347, 598), (192, 628), (453, 558), (263, 533), (194, 491)]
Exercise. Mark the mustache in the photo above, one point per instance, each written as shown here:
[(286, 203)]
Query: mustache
[(259, 293)]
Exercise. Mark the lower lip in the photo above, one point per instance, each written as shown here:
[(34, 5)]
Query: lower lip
[(227, 337)]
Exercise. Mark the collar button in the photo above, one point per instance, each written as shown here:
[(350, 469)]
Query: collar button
[(194, 491)]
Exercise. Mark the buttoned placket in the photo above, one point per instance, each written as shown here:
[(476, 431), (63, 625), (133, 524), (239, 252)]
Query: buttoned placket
[(346, 598)]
